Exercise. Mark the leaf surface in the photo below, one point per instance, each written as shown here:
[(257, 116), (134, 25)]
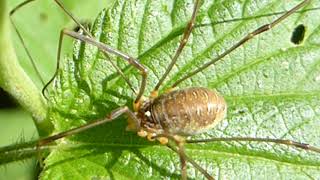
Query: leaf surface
[(271, 87)]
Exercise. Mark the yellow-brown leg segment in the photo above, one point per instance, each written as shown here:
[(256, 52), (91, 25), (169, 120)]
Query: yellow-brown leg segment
[(183, 162), (155, 93), (191, 161), (180, 150)]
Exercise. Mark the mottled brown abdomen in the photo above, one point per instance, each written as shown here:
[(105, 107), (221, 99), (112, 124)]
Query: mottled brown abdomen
[(188, 111)]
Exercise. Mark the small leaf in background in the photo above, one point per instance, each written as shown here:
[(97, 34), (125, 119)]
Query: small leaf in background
[(40, 23), (270, 84)]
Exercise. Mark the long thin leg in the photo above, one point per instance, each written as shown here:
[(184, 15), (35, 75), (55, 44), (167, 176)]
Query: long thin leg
[(179, 141), (22, 40), (121, 73), (183, 162), (73, 18), (113, 115), (106, 49), (191, 161), (182, 44), (24, 3), (89, 34), (277, 141), (183, 165), (248, 37), (253, 17)]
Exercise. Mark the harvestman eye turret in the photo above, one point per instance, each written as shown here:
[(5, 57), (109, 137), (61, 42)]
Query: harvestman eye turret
[(177, 113)]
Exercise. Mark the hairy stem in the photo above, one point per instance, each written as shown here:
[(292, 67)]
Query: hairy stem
[(15, 81)]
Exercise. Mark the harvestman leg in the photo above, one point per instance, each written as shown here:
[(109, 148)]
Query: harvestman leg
[(113, 115), (179, 141), (105, 49), (132, 61), (24, 3), (183, 163), (182, 44), (248, 37), (184, 157), (191, 161), (277, 141), (251, 35)]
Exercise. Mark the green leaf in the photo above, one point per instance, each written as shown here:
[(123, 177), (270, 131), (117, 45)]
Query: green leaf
[(271, 87), (40, 23)]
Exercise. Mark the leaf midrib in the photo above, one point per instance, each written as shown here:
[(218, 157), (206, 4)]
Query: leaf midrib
[(194, 150)]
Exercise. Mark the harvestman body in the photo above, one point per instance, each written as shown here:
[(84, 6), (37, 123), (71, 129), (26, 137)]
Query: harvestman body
[(176, 113), (182, 112)]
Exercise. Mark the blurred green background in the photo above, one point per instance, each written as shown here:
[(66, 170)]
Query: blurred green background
[(39, 23)]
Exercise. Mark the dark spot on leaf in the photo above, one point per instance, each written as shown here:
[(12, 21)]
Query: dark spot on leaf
[(298, 34), (265, 75), (241, 111), (43, 17)]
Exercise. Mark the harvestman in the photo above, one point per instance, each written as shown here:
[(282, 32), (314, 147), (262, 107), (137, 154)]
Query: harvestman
[(175, 114)]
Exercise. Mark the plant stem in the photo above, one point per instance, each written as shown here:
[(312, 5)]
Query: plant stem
[(14, 80)]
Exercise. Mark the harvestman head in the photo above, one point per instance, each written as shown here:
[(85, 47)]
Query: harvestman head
[(177, 113)]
